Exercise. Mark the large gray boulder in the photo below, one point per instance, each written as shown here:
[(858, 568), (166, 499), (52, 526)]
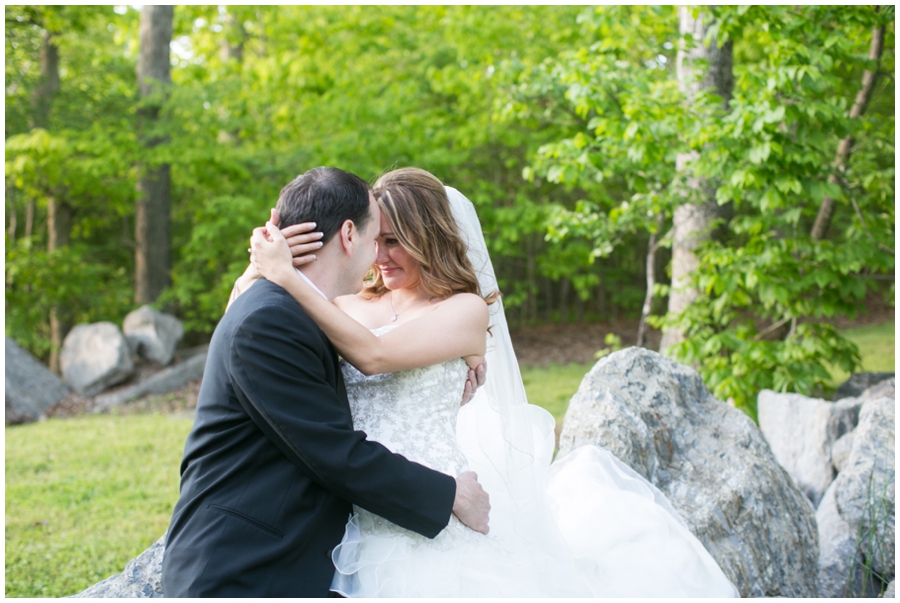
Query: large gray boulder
[(166, 380), (711, 462), (858, 383), (153, 334), (882, 389), (95, 357), (841, 566), (141, 578), (801, 432), (840, 451), (31, 388), (864, 489)]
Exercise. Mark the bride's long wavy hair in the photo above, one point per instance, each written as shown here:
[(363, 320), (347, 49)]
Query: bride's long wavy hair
[(416, 206)]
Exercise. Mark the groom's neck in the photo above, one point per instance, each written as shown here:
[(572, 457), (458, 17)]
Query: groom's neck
[(323, 275)]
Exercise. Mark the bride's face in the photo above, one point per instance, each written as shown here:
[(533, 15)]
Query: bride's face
[(399, 270)]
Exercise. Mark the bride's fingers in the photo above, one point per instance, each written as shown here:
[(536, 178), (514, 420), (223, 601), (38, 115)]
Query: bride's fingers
[(303, 260), (298, 229), (257, 236), (300, 249)]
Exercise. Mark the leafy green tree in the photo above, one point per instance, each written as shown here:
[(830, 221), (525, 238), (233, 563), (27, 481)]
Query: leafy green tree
[(796, 71)]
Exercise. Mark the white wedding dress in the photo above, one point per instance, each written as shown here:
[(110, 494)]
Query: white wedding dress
[(586, 525), (615, 536)]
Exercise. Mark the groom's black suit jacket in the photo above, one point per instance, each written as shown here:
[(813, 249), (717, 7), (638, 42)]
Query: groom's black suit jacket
[(272, 463)]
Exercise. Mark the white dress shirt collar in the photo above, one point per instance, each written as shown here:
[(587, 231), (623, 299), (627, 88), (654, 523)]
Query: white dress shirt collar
[(311, 284)]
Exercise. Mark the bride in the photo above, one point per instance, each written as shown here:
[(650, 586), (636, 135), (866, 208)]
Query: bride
[(585, 525)]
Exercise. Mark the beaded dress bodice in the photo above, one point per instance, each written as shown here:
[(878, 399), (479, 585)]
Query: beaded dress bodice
[(412, 413)]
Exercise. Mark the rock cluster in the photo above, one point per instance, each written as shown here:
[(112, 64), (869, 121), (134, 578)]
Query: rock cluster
[(801, 432), (31, 387), (95, 357), (842, 455), (152, 334), (711, 462)]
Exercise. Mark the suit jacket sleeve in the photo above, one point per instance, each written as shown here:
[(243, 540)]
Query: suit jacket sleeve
[(279, 377)]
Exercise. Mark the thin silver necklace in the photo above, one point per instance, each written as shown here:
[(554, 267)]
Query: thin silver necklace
[(395, 313)]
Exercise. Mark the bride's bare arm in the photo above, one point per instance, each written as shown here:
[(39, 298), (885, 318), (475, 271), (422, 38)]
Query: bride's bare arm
[(455, 328)]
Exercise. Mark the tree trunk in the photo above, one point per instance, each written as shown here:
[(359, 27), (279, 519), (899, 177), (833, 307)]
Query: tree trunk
[(59, 213), (826, 210), (152, 221), (45, 92), (579, 309), (531, 300), (652, 247), (232, 52), (564, 300), (548, 300), (692, 221), (11, 213), (29, 220)]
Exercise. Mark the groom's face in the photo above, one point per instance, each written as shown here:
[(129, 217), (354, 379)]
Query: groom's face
[(364, 253)]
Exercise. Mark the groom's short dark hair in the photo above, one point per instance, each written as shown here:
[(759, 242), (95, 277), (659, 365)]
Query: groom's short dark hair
[(327, 196)]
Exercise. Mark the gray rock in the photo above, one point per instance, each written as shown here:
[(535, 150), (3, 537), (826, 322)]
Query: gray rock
[(839, 560), (164, 381), (858, 383), (864, 489), (884, 389), (711, 462), (889, 592), (31, 388), (153, 334), (141, 578), (95, 357), (840, 451), (801, 432)]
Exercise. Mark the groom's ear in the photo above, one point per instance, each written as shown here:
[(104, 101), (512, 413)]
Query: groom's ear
[(347, 236)]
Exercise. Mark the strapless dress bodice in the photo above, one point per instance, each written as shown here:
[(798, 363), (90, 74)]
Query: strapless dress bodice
[(411, 412)]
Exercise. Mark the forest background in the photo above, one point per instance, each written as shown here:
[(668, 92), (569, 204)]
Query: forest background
[(727, 174)]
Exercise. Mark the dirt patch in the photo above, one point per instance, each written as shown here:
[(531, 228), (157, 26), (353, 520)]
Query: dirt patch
[(576, 342)]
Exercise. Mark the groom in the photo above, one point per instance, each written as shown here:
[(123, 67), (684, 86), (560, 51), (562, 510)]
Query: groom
[(272, 463)]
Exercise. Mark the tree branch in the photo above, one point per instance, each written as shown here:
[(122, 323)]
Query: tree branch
[(771, 328), (826, 210)]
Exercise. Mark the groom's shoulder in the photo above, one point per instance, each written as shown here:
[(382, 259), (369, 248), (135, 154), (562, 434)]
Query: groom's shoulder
[(266, 303)]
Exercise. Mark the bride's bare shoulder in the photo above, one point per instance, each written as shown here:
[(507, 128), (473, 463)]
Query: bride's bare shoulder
[(469, 305)]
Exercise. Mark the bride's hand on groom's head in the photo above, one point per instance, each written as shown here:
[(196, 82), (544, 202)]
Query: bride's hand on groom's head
[(303, 239), (270, 253)]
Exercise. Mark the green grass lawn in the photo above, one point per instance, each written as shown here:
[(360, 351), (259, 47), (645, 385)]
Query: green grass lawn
[(876, 347), (86, 495), (552, 386)]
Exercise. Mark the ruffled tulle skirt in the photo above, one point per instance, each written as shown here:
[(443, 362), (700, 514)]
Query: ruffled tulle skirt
[(598, 529)]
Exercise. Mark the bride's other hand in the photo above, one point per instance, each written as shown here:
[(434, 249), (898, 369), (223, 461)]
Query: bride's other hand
[(271, 254), (474, 380), (472, 504)]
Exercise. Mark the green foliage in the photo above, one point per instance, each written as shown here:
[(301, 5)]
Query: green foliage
[(768, 157), (75, 278), (613, 344), (582, 102), (84, 496)]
